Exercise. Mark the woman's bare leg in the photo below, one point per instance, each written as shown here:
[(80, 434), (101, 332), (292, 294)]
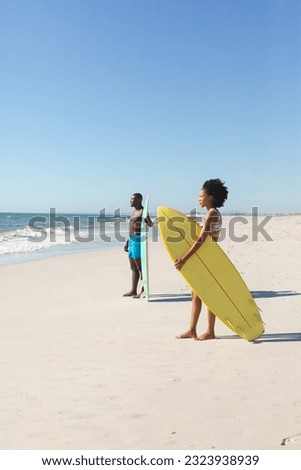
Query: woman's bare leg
[(209, 334), (196, 307)]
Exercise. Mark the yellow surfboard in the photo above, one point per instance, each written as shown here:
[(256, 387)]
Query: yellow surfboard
[(211, 274)]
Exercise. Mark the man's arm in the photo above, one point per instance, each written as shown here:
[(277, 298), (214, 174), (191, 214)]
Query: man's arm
[(149, 221)]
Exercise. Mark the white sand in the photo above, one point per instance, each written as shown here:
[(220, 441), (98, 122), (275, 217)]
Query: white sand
[(84, 368)]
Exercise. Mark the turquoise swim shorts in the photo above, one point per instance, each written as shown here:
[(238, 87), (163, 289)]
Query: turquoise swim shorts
[(135, 247)]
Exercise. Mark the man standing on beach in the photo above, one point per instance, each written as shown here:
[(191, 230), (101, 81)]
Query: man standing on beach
[(132, 245)]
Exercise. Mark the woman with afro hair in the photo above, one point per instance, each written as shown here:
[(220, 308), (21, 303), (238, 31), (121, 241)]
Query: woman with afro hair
[(212, 195)]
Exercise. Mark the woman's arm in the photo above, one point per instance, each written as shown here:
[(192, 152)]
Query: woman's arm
[(206, 230)]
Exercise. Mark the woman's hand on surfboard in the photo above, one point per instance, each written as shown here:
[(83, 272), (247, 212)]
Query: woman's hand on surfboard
[(179, 263)]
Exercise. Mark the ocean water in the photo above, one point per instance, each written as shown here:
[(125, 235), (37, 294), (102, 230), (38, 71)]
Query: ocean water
[(30, 236)]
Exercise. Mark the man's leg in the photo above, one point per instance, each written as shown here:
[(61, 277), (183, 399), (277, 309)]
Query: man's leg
[(135, 278), (138, 266)]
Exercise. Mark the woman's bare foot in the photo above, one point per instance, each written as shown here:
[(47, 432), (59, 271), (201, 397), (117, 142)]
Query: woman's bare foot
[(205, 336), (187, 334)]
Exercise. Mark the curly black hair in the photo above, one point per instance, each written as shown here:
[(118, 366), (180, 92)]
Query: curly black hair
[(217, 189)]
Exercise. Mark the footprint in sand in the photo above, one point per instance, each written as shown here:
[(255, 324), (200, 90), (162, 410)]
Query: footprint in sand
[(293, 440)]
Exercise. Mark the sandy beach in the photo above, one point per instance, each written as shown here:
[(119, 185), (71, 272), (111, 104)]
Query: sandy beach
[(82, 367)]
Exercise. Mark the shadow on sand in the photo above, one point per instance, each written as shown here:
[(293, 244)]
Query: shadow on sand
[(265, 338), (271, 338), (264, 294), (257, 294), (170, 298)]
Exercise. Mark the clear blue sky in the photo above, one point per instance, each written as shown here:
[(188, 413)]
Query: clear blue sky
[(103, 98)]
